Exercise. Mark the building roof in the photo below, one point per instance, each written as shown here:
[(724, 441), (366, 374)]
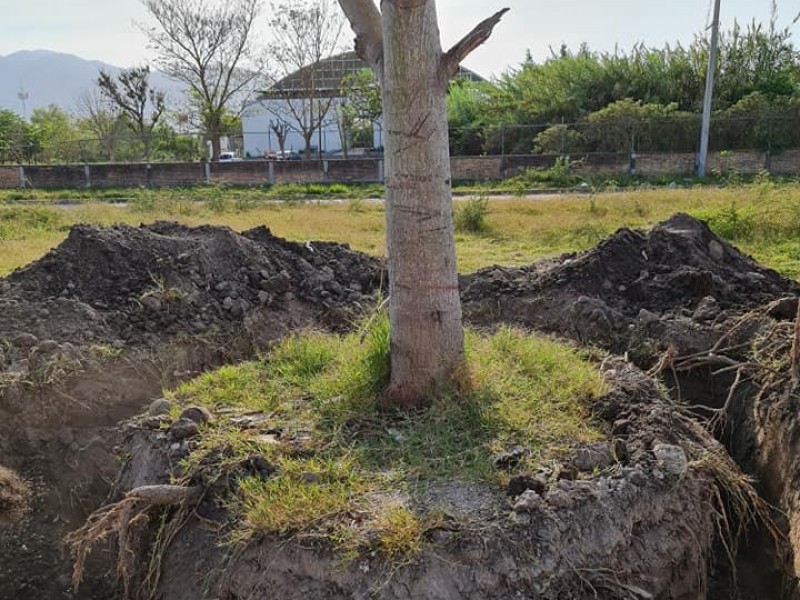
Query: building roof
[(326, 76)]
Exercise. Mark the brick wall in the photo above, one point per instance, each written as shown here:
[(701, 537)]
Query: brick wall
[(476, 168), (9, 177), (464, 168)]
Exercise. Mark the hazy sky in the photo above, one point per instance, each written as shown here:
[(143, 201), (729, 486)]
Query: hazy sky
[(104, 29)]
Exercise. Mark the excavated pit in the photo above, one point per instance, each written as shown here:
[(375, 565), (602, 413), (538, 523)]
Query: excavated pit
[(95, 327)]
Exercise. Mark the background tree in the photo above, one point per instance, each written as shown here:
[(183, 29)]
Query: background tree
[(209, 47), (142, 106), (106, 126), (304, 33), (401, 43), (281, 130), (18, 141), (361, 107), (55, 135)]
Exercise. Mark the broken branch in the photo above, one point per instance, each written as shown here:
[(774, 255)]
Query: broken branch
[(365, 20), (452, 60)]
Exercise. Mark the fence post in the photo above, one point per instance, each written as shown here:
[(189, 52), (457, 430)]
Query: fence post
[(87, 174), (380, 171), (325, 170), (271, 172), (207, 169), (21, 176)]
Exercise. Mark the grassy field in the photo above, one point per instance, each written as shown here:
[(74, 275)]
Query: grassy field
[(761, 218)]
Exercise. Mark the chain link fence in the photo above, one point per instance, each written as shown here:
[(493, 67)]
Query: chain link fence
[(762, 133)]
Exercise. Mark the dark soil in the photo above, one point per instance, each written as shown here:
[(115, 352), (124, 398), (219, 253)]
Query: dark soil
[(125, 286), (637, 528), (94, 329), (172, 301)]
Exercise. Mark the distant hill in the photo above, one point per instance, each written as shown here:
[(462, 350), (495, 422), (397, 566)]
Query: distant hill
[(55, 78)]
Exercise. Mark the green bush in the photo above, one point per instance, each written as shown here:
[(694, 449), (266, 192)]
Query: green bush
[(471, 216)]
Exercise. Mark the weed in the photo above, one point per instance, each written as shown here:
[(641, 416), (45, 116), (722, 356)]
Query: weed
[(471, 216)]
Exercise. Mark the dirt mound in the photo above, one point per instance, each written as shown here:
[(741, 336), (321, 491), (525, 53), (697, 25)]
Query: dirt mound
[(616, 294), (635, 526), (125, 286)]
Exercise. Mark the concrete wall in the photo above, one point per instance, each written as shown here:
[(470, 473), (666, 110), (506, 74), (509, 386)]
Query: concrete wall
[(367, 170)]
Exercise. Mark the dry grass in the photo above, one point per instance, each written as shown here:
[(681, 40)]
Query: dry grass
[(14, 492), (519, 230)]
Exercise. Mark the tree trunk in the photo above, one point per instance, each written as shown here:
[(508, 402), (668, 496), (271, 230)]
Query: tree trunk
[(401, 42), (424, 305)]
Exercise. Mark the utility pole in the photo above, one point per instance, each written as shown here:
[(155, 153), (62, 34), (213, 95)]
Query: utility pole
[(709, 95)]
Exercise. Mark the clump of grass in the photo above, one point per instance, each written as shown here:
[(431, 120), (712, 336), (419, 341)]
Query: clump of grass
[(341, 453), (471, 216)]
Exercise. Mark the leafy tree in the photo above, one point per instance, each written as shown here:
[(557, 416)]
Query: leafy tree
[(17, 139), (209, 47), (56, 135), (360, 109)]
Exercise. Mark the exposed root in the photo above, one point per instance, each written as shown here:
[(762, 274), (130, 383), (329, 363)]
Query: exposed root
[(14, 492), (123, 518)]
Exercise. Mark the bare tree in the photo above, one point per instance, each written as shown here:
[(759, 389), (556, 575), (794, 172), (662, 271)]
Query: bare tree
[(130, 92), (107, 125), (281, 130), (402, 45), (305, 33), (207, 46)]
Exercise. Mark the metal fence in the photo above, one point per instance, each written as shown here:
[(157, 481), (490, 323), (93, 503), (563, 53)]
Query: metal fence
[(762, 133)]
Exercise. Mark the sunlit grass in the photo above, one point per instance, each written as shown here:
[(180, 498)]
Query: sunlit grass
[(343, 464), (518, 231)]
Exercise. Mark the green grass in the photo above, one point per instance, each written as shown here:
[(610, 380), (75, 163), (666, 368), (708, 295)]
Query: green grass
[(345, 466)]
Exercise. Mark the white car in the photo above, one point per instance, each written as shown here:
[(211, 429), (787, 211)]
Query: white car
[(228, 157)]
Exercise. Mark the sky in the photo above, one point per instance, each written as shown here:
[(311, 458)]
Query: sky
[(105, 29)]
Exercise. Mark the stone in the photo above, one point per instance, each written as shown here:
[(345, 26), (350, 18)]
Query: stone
[(528, 502), (510, 458), (151, 302), (198, 414), (159, 407), (672, 458), (25, 341), (310, 478), (183, 429), (520, 484), (47, 346), (227, 303), (591, 457), (715, 250)]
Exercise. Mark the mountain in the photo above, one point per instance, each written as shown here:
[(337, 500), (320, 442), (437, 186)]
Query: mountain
[(55, 78)]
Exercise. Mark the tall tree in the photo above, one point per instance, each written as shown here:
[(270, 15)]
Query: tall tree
[(401, 43), (208, 46), (142, 105), (305, 33)]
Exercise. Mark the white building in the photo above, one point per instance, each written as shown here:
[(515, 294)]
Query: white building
[(292, 104)]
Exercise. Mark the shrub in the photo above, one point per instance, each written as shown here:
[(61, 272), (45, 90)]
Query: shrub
[(471, 215)]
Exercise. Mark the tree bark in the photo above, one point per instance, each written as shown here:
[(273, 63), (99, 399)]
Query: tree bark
[(424, 307), (427, 339)]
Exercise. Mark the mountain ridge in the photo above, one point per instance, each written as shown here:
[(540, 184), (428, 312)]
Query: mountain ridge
[(51, 77)]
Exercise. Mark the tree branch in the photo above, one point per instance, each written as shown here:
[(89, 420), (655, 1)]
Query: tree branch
[(452, 60), (365, 19)]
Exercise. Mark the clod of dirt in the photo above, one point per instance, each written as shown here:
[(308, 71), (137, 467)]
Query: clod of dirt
[(14, 494)]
